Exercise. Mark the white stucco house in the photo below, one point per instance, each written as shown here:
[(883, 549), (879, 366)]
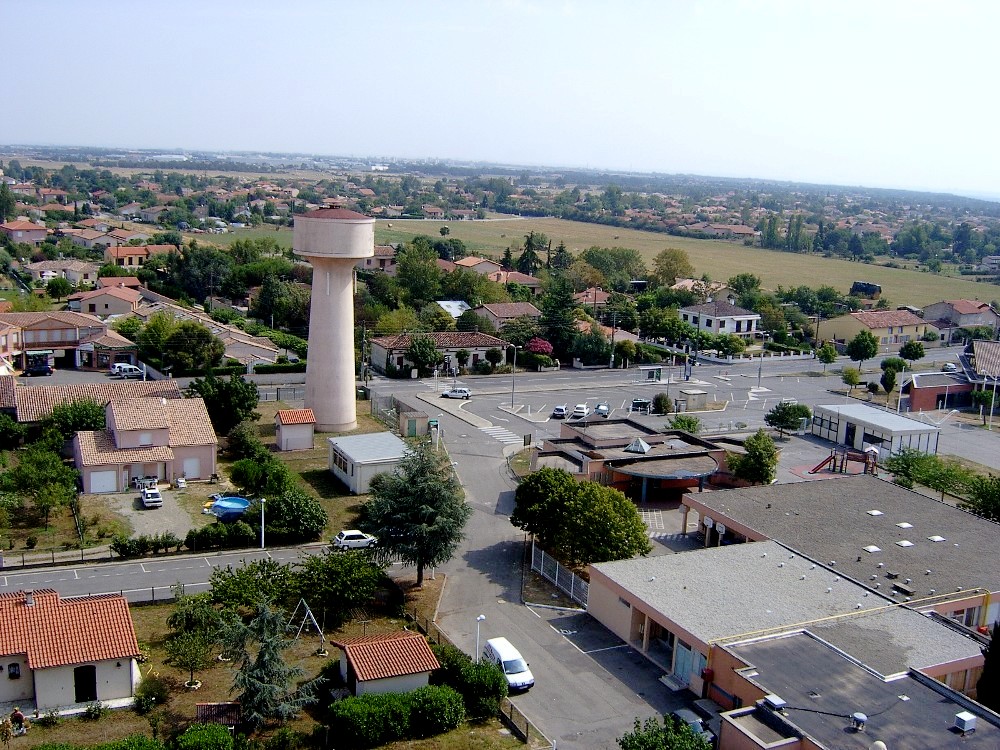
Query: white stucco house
[(355, 459), (719, 318), (57, 652), (294, 428), (392, 663)]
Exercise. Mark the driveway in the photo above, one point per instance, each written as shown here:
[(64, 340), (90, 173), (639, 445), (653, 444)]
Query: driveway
[(149, 521)]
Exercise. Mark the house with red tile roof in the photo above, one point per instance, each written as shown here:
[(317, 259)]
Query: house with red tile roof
[(383, 260), (162, 438), (133, 256), (950, 315), (60, 652), (391, 351), (24, 231), (499, 313), (391, 663), (79, 339), (112, 300), (516, 277), (892, 328), (479, 265), (721, 318), (76, 272), (294, 428), (129, 282), (29, 404)]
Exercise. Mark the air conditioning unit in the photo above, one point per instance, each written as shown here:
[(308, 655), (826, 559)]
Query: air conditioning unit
[(774, 702), (965, 722)]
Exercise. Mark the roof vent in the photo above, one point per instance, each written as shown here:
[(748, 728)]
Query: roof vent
[(774, 702), (965, 722), (858, 721), (29, 598), (638, 446)]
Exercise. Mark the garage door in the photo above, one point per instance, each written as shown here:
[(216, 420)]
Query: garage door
[(192, 468), (103, 481)]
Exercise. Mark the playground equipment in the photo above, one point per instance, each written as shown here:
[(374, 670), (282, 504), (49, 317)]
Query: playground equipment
[(841, 455)]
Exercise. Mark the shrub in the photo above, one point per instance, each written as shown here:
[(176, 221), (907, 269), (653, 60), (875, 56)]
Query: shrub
[(95, 711), (280, 367), (50, 719), (205, 737), (31, 542), (435, 709), (482, 687), (371, 720), (482, 367), (661, 404), (152, 691), (125, 547), (244, 441), (452, 660), (289, 739), (241, 534)]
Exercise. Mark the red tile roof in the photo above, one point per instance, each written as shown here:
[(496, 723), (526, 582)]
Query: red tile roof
[(512, 309), (55, 632), (35, 402), (513, 277), (129, 282), (22, 226), (967, 306), (443, 340), (886, 318), (334, 213), (99, 449), (296, 416), (376, 657)]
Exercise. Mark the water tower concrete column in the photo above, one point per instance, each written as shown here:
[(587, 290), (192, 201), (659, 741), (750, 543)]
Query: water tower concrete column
[(333, 240)]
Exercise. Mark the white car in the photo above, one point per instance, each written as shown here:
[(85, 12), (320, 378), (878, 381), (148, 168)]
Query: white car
[(603, 409), (560, 412), (580, 411), (949, 367), (354, 539), (457, 393), (151, 498)]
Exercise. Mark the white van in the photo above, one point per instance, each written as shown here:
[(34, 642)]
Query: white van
[(515, 669), (124, 370)]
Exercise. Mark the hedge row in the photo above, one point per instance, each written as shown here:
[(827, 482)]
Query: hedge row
[(284, 367), (218, 535), (377, 719)]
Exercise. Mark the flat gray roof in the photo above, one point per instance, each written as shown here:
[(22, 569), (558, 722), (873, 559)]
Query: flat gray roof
[(829, 519), (822, 689), (883, 420), (372, 447), (740, 590)]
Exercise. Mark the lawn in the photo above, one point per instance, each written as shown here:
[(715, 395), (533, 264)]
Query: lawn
[(717, 258), (151, 629)]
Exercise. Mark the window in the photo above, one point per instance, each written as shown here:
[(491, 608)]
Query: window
[(624, 602), (145, 438), (14, 671), (340, 461)]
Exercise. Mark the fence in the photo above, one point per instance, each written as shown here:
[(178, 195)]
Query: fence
[(565, 580), (283, 393)]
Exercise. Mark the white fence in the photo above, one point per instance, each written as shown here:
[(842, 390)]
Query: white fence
[(565, 580)]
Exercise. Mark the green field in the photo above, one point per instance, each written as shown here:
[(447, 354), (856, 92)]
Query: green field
[(718, 259)]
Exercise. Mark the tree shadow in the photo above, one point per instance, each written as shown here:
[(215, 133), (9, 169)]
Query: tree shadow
[(502, 564)]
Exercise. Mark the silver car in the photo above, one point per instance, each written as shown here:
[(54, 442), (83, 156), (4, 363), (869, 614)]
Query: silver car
[(354, 539)]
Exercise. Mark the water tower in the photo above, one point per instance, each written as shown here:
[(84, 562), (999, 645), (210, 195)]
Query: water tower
[(333, 240)]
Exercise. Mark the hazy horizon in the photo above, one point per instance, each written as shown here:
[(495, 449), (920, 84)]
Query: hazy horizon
[(887, 95)]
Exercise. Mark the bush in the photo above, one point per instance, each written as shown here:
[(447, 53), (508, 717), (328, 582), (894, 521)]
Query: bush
[(152, 691), (126, 547), (280, 367), (205, 737), (435, 709), (482, 687), (452, 660), (50, 719), (95, 711), (661, 404), (241, 534), (372, 720), (482, 367), (243, 441), (289, 739)]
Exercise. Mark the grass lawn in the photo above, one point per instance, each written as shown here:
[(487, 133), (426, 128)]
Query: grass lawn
[(151, 629), (717, 258)]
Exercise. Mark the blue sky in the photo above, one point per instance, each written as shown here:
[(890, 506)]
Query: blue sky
[(893, 94)]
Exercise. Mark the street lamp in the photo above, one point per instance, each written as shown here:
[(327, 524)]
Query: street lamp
[(513, 371), (262, 501), (478, 621)]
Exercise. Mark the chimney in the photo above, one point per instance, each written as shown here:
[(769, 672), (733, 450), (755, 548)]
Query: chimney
[(29, 598)]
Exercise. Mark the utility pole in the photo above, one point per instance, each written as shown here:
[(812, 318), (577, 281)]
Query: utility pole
[(614, 324)]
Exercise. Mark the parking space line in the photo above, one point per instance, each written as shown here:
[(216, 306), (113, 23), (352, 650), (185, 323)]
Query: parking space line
[(608, 648)]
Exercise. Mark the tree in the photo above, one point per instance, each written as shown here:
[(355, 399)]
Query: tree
[(291, 516), (888, 381), (759, 462), (444, 231), (494, 356), (730, 344), (335, 583), (672, 734), (129, 327), (58, 288), (521, 331), (190, 346), (423, 353), (256, 581), (263, 680), (8, 203), (152, 339), (540, 504), (558, 323), (12, 432), (983, 497), (417, 512), (787, 417), (861, 347), (988, 686), (228, 402), (77, 415), (850, 376), (984, 400), (602, 525), (898, 364), (43, 477), (592, 348), (193, 613), (189, 651), (685, 422), (827, 354), (672, 264), (912, 350)]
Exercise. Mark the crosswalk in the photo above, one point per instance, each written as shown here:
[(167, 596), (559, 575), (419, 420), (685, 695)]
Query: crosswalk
[(504, 435)]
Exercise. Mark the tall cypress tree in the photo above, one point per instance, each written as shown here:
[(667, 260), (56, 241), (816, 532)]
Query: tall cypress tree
[(988, 687)]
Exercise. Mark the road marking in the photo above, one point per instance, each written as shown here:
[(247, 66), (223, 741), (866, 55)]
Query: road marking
[(503, 435), (608, 648)]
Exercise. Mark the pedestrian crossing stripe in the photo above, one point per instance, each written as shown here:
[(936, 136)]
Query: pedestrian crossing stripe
[(503, 435)]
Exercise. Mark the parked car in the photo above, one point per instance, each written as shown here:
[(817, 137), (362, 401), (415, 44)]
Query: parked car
[(499, 651), (151, 498), (689, 717), (353, 539), (457, 393), (603, 409), (580, 411), (32, 371), (560, 412), (641, 405), (949, 367), (123, 370), (711, 712)]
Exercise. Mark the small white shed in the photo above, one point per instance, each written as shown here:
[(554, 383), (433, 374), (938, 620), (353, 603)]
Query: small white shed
[(293, 429), (390, 663), (355, 459)]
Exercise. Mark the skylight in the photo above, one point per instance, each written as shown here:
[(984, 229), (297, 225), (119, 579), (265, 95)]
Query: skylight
[(874, 513), (904, 543), (936, 538), (871, 548), (905, 525)]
